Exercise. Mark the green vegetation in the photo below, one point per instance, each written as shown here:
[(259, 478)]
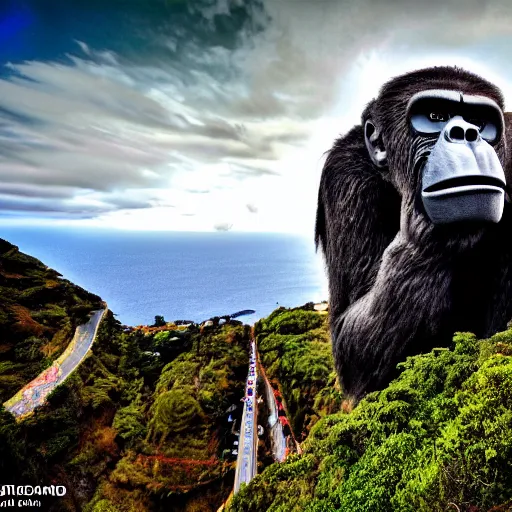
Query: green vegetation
[(131, 430), (170, 428), (438, 438), (159, 321), (295, 351), (141, 425), (39, 312)]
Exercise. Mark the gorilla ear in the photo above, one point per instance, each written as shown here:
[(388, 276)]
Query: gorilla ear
[(374, 144)]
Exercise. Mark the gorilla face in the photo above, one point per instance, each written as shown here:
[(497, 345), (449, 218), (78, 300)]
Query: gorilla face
[(456, 136), (437, 135)]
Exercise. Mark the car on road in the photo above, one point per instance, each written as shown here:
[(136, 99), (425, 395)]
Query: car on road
[(250, 391)]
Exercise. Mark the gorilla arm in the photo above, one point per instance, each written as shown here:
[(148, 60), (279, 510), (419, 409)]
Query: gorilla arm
[(386, 295), (403, 312)]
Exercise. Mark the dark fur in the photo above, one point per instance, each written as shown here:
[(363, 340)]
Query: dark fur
[(398, 284)]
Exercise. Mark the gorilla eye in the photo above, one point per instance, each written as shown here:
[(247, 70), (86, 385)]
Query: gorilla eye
[(438, 117)]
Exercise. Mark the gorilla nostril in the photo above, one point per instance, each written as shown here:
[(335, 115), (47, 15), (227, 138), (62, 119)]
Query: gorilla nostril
[(471, 135), (457, 133)]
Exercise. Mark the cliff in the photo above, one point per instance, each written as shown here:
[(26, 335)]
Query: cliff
[(39, 311)]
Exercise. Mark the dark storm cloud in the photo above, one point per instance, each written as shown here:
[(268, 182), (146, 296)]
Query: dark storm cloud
[(29, 190), (37, 204), (110, 112)]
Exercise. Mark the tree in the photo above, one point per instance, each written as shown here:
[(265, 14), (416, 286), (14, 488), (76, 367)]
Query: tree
[(159, 321)]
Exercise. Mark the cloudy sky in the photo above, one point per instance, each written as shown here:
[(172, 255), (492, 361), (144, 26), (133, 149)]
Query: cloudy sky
[(208, 114)]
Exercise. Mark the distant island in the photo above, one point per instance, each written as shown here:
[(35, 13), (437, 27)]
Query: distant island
[(242, 313)]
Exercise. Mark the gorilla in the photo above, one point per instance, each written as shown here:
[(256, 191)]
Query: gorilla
[(415, 224)]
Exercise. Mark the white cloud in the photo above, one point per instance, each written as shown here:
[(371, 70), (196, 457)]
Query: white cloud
[(217, 135)]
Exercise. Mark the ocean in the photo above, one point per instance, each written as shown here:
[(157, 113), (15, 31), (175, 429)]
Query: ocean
[(182, 276)]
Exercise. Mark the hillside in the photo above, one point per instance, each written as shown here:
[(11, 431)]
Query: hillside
[(172, 431), (141, 425), (295, 351), (438, 438), (39, 311), (146, 423)]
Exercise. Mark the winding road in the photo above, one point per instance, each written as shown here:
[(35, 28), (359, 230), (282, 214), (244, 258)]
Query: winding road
[(35, 392)]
